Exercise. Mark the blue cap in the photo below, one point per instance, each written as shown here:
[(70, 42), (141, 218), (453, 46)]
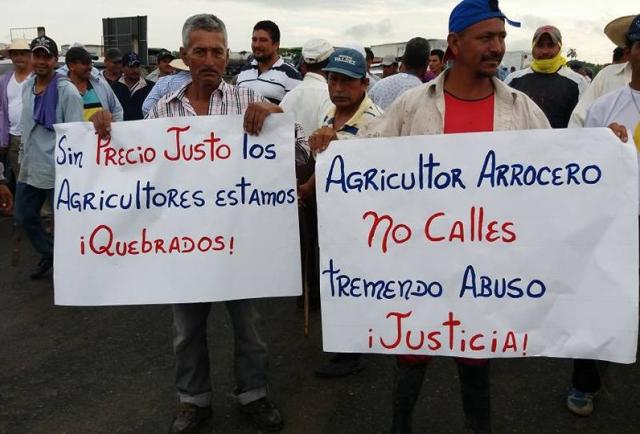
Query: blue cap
[(347, 61), (131, 59), (470, 12)]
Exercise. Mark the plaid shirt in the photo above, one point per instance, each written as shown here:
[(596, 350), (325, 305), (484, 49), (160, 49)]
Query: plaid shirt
[(225, 100)]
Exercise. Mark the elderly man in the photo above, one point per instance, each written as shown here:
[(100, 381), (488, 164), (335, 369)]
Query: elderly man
[(414, 61), (47, 98), (11, 102), (96, 93), (268, 74), (619, 110), (548, 80), (205, 52), (611, 77), (466, 98), (309, 101)]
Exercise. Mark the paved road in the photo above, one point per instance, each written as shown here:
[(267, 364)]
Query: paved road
[(110, 370)]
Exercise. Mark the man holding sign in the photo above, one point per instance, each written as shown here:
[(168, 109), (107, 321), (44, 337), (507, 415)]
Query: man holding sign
[(466, 98), (205, 52)]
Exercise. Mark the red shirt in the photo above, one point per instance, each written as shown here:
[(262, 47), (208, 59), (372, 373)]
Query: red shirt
[(468, 116)]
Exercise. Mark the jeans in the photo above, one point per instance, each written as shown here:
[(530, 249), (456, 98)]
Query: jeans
[(193, 379), (29, 200)]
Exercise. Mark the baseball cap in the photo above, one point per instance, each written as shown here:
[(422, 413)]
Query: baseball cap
[(45, 43), (19, 45), (316, 50), (389, 60), (469, 12), (131, 59), (552, 31), (164, 54), (113, 54), (77, 54), (347, 61)]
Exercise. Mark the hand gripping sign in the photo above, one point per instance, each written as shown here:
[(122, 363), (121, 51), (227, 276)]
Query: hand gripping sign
[(175, 210), (506, 244)]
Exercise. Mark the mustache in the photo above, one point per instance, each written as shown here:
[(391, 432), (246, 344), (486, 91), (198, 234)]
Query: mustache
[(209, 70), (497, 57)]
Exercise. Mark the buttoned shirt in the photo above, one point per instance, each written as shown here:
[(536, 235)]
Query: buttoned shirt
[(309, 102), (164, 86), (420, 111), (367, 111), (225, 100), (389, 88)]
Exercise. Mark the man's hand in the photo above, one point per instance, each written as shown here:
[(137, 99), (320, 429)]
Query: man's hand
[(619, 131), (306, 190), (320, 139), (102, 123), (6, 199), (256, 114)]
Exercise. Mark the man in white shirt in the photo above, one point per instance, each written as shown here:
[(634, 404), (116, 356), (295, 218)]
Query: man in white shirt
[(620, 111), (610, 78), (11, 103), (310, 100)]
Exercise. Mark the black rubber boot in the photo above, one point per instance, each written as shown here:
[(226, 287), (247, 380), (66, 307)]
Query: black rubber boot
[(476, 401), (406, 389)]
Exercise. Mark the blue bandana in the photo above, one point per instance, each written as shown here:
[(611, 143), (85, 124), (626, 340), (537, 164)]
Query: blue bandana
[(470, 12)]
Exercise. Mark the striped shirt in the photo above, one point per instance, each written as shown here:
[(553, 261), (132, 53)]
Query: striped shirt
[(164, 86), (365, 114), (225, 100), (272, 84)]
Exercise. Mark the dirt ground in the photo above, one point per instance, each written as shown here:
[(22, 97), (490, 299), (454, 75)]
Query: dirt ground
[(110, 370)]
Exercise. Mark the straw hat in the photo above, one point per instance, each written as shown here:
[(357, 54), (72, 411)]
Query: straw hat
[(19, 44), (617, 29), (179, 64)]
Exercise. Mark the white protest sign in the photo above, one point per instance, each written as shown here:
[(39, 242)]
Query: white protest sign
[(175, 210), (484, 245)]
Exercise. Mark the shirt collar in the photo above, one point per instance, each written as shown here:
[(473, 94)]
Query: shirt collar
[(181, 94), (353, 121), (278, 62), (503, 92), (622, 67), (314, 76)]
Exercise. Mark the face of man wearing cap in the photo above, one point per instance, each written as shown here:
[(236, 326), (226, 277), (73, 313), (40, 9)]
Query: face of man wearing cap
[(131, 72), (20, 58), (206, 56), (262, 46), (164, 67), (545, 48), (114, 68), (480, 47), (345, 91), (43, 63), (81, 69), (435, 64)]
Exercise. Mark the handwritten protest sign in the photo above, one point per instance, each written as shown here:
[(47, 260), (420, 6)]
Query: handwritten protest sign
[(175, 210), (508, 244)]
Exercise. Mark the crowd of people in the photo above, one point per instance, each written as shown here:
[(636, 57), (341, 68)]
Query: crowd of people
[(333, 96)]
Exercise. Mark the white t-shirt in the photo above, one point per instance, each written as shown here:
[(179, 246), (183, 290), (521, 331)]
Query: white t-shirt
[(618, 106), (14, 95)]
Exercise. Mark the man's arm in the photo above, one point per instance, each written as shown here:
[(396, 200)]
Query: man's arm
[(72, 105)]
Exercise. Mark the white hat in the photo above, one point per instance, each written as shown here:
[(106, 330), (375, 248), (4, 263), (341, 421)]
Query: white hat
[(389, 60), (177, 63), (316, 50), (19, 44), (358, 47)]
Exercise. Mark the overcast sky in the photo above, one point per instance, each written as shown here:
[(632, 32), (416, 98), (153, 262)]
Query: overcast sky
[(339, 21)]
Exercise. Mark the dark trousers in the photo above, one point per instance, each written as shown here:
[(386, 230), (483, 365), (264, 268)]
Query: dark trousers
[(29, 201)]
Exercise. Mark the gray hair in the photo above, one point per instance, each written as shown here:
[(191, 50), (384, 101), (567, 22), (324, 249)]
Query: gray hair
[(207, 22)]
